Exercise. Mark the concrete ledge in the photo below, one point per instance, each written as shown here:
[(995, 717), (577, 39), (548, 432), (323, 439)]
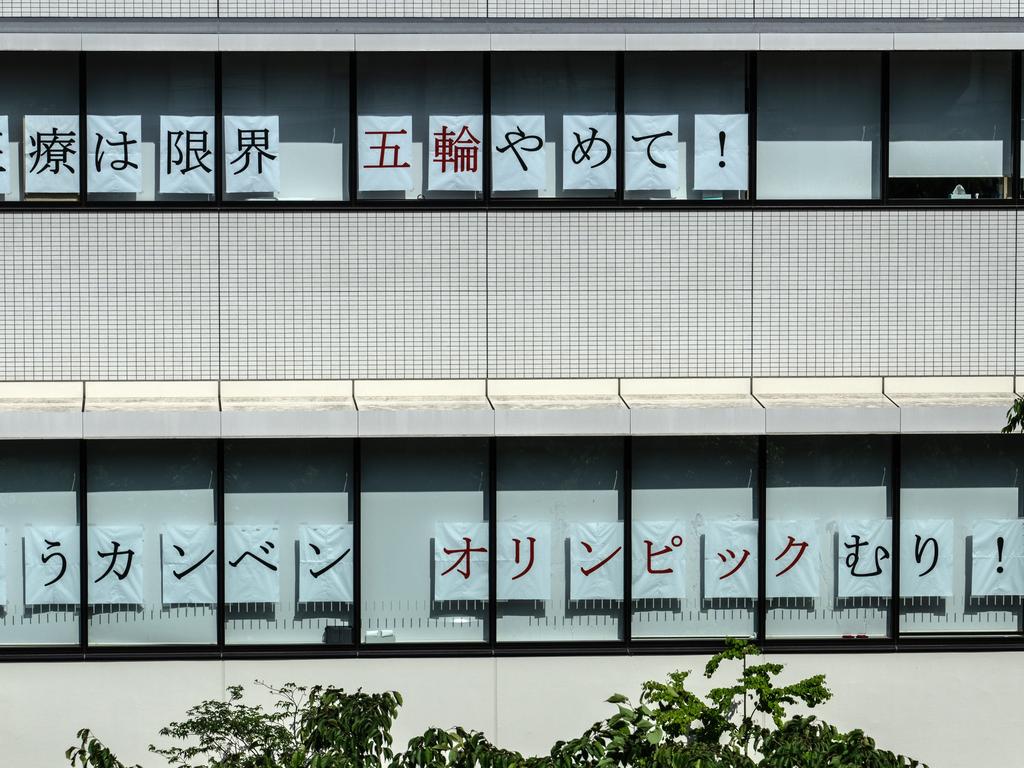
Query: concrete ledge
[(269, 396), (67, 396), (423, 42), (854, 405), (552, 422), (430, 423), (152, 396), (952, 41), (40, 41), (559, 42), (739, 41), (951, 403), (825, 41), (92, 41), (261, 43), (154, 424), (691, 406), (289, 423), (41, 425)]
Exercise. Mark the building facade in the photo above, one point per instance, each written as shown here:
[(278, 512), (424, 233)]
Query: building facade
[(508, 354)]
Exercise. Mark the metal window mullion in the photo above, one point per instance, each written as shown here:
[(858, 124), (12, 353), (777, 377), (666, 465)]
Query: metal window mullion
[(895, 470), (627, 540), (83, 148), (492, 545), (222, 612), (83, 549), (761, 617), (357, 513), (218, 127), (883, 131)]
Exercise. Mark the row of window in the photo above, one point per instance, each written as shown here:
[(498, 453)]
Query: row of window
[(277, 126), (592, 539)]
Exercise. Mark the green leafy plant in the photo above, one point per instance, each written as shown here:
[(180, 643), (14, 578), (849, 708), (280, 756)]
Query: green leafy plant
[(741, 725), (1015, 416)]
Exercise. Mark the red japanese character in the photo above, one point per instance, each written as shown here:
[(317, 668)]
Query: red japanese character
[(529, 565), (677, 541), (384, 148), (733, 556), (465, 555), (588, 571), (791, 544), (461, 151)]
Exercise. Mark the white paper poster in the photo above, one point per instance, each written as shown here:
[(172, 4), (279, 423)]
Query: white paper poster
[(519, 153), (652, 152), (385, 153), (596, 561), (252, 153), (252, 556), (115, 564), (188, 564), (720, 152), (325, 563), (730, 559), (864, 554), (524, 561), (588, 152), (52, 151), (5, 156), (51, 565), (795, 556), (659, 564), (997, 558), (3, 566), (460, 561), (926, 558), (187, 155), (455, 154), (114, 153)]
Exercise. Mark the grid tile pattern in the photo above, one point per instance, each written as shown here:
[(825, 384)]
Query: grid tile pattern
[(109, 8), (619, 293), (871, 293), (900, 9), (705, 9), (108, 296), (353, 295), (355, 8)]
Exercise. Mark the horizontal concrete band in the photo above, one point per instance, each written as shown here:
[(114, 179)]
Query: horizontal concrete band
[(533, 41), (736, 406)]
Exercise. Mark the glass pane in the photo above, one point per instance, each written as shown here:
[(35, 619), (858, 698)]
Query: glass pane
[(565, 494), (950, 125), (39, 543), (828, 561), (41, 108), (423, 539), (665, 92), (285, 126), (688, 494), (539, 99), (152, 562), (160, 156), (959, 496), (818, 126), (288, 537), (421, 126)]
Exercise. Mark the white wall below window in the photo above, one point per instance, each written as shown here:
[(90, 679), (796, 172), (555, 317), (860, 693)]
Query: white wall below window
[(947, 709)]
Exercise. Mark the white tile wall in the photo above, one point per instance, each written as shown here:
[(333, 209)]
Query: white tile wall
[(619, 293), (112, 8), (128, 295), (869, 293), (353, 295), (508, 294)]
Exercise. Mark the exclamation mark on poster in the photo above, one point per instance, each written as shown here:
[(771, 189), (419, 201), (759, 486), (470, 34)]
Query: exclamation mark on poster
[(999, 553), (721, 149)]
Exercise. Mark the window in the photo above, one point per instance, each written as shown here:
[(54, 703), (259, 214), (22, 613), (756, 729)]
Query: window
[(818, 126), (950, 125), (39, 127), (424, 541), (960, 534), (560, 539), (828, 560), (667, 95), (40, 587), (288, 538), (285, 126), (421, 126), (152, 563), (553, 125), (693, 498), (150, 131)]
